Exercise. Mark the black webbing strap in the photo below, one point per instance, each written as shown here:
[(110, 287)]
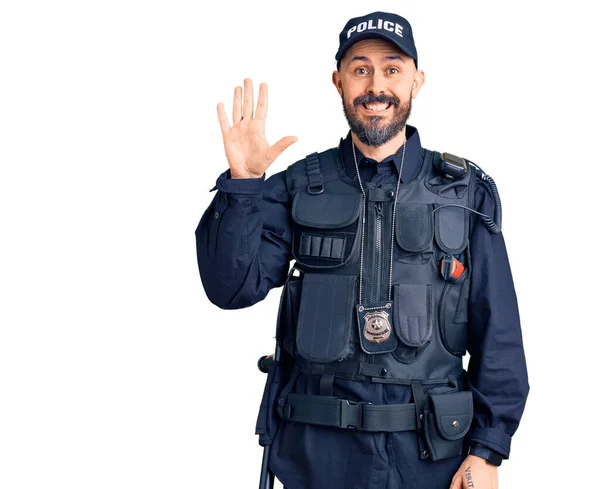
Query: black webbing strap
[(327, 378), (326, 384), (371, 370), (332, 411), (282, 409), (362, 368), (313, 172), (419, 398)]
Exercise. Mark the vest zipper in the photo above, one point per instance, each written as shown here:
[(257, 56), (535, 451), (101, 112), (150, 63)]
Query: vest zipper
[(378, 220)]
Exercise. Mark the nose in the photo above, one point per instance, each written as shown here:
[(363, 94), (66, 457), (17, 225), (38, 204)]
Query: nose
[(377, 83)]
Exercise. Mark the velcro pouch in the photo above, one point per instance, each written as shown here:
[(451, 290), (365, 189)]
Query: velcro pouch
[(451, 228), (448, 418), (413, 320), (325, 317), (414, 226), (326, 229)]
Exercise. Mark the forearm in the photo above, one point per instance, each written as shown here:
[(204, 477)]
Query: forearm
[(242, 241), (497, 370)]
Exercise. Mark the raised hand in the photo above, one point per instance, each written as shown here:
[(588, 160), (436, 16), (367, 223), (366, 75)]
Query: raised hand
[(246, 147)]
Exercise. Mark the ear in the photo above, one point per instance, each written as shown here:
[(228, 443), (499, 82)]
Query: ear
[(337, 81), (418, 82)]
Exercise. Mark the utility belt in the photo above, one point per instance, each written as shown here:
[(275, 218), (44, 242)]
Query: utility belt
[(441, 416)]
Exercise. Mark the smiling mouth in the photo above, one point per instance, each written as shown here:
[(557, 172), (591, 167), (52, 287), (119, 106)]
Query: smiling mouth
[(376, 108)]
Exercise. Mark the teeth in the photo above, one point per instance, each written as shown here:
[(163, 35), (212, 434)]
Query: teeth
[(376, 107)]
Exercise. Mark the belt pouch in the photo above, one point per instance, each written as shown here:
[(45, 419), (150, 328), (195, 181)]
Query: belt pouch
[(447, 420), (325, 317)]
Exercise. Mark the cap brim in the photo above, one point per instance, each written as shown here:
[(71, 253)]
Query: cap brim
[(361, 36)]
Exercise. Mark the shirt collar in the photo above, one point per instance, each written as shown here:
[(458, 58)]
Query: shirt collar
[(413, 159)]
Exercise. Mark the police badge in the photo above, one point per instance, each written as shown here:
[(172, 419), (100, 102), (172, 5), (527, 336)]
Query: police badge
[(375, 325)]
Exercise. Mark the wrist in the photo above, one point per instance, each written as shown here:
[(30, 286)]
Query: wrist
[(236, 175), (243, 186), (490, 456), (479, 460)]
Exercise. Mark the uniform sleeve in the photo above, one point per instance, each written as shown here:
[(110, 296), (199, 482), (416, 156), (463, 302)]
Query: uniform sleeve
[(497, 372), (243, 240)]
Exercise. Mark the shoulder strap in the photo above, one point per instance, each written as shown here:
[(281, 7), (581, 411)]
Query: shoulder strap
[(313, 172)]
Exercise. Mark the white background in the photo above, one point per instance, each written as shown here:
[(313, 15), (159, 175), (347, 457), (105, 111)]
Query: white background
[(115, 369)]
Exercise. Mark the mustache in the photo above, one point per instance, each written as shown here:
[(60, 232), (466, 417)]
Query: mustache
[(372, 99)]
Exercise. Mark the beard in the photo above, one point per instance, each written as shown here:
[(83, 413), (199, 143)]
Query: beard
[(375, 132)]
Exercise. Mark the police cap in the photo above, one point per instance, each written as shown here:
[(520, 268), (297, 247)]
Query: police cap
[(379, 25)]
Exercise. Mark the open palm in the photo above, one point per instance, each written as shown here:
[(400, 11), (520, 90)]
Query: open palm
[(246, 148)]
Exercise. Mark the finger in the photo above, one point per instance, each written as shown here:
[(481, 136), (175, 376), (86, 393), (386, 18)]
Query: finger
[(237, 104), (261, 107), (279, 147), (248, 111), (223, 122), (456, 483)]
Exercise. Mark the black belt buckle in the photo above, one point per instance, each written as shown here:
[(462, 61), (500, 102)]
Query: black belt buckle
[(351, 414)]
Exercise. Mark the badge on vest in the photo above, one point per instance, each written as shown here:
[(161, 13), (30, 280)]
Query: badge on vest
[(375, 327)]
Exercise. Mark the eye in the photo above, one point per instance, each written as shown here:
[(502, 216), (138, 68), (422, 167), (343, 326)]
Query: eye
[(395, 69), (357, 70)]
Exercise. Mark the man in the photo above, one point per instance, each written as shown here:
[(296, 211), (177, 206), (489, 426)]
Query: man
[(402, 271)]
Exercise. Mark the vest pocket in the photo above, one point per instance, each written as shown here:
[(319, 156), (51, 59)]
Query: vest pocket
[(326, 231), (448, 418), (453, 315), (451, 225), (325, 318), (413, 321), (413, 233), (288, 318)]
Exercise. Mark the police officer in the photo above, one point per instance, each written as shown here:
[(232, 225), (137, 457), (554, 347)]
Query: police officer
[(402, 269)]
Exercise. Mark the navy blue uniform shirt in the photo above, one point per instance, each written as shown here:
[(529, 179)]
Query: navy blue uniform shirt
[(244, 250)]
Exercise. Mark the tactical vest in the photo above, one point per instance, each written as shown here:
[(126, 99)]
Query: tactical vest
[(320, 330)]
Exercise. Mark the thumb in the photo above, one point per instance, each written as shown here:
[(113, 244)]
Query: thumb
[(274, 151)]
